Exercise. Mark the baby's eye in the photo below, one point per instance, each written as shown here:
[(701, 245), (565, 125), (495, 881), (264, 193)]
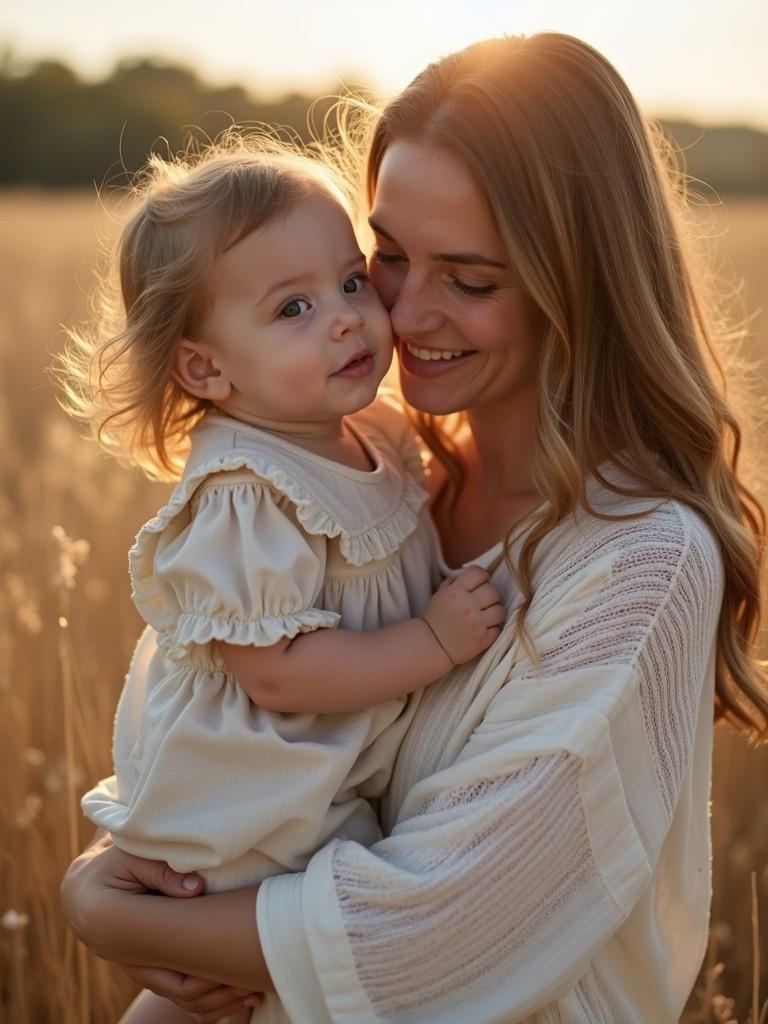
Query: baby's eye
[(293, 308), (355, 283)]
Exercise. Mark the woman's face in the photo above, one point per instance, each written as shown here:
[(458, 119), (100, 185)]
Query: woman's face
[(467, 333)]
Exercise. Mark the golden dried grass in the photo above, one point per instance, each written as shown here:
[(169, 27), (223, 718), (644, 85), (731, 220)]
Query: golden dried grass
[(67, 627)]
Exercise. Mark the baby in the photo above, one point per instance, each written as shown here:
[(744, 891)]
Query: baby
[(288, 583)]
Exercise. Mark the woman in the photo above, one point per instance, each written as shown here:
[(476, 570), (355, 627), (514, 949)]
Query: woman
[(547, 855)]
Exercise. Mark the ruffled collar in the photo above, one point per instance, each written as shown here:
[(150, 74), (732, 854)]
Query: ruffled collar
[(370, 524)]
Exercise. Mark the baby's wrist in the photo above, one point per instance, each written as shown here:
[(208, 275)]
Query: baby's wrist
[(438, 641)]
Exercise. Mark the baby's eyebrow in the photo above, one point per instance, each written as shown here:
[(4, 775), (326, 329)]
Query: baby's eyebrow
[(353, 260), (279, 285), (468, 258)]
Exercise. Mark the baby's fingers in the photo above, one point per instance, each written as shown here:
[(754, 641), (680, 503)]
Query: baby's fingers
[(496, 615), (486, 595), (470, 578)]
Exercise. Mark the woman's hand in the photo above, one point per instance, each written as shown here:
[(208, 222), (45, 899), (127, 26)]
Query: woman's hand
[(103, 868), (119, 906), (205, 1001)]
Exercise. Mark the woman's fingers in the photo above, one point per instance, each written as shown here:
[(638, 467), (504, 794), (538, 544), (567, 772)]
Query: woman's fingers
[(234, 1008), (159, 876), (140, 874), (202, 995), (196, 996)]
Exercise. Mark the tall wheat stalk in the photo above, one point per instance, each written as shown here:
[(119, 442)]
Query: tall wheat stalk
[(71, 555)]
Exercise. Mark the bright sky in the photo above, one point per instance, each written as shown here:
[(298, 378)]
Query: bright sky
[(704, 59)]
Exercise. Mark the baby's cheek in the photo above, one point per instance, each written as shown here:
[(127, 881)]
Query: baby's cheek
[(386, 281)]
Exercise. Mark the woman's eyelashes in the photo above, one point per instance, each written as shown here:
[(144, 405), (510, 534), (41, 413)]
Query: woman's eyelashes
[(357, 281), (474, 289), (468, 289), (387, 257)]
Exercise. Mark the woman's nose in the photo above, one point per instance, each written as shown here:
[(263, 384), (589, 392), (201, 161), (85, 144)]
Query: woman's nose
[(412, 313)]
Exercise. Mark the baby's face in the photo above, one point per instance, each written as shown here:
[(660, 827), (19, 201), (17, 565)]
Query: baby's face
[(295, 324)]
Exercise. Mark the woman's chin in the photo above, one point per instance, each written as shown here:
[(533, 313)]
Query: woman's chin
[(425, 396)]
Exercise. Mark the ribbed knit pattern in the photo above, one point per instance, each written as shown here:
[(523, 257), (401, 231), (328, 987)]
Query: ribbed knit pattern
[(499, 824), (647, 613), (548, 861)]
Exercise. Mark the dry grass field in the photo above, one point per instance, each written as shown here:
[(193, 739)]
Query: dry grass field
[(67, 517)]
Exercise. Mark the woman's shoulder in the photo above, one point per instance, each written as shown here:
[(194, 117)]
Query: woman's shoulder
[(605, 584), (616, 530)]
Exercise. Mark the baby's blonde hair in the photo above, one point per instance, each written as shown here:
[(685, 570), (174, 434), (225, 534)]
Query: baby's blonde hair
[(116, 374)]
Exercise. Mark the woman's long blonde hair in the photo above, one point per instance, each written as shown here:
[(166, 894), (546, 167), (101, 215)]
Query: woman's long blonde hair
[(590, 214), (116, 374)]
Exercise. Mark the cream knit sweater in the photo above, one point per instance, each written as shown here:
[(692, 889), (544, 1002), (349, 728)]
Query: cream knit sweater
[(547, 852)]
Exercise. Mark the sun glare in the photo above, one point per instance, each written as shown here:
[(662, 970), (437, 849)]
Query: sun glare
[(708, 64)]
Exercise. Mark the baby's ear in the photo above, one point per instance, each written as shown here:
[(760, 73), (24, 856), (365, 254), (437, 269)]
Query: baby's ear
[(195, 369)]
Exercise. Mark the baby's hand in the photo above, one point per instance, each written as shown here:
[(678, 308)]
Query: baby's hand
[(465, 614)]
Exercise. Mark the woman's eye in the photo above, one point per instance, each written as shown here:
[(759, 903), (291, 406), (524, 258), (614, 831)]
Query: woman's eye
[(474, 289), (355, 283), (293, 308), (387, 257)]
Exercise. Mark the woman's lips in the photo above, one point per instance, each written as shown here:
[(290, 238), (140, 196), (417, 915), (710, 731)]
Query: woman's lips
[(360, 366), (429, 367)]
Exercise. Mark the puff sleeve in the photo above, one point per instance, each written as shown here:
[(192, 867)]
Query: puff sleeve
[(233, 564), (206, 779)]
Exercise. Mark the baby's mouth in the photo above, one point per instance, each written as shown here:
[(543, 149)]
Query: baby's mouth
[(360, 365)]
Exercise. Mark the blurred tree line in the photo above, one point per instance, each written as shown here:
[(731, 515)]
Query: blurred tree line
[(60, 131)]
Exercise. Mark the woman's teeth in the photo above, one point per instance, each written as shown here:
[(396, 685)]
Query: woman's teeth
[(433, 353)]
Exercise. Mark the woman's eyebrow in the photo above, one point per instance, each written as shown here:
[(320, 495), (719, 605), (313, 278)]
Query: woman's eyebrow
[(468, 258)]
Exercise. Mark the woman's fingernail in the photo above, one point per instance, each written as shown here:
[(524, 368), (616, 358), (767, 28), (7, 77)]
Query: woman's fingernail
[(189, 882), (251, 1003)]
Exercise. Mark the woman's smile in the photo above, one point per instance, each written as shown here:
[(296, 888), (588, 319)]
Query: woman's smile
[(431, 362), (468, 332)]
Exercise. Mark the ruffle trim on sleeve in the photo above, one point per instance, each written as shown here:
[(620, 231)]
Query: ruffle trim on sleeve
[(376, 540), (200, 630)]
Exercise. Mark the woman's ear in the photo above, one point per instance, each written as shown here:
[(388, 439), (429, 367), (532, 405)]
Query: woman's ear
[(196, 370)]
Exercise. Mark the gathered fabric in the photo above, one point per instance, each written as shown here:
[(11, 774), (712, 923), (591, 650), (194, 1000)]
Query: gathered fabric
[(262, 540), (546, 856)]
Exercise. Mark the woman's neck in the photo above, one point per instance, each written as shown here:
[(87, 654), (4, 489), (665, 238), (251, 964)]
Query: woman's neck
[(497, 484), (497, 450)]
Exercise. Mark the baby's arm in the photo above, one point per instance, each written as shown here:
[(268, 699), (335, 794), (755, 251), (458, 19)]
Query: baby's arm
[(346, 670)]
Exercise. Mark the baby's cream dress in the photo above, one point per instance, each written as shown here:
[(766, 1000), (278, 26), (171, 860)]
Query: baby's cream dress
[(262, 540)]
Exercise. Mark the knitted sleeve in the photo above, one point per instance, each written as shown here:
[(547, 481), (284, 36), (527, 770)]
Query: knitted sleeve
[(511, 866)]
